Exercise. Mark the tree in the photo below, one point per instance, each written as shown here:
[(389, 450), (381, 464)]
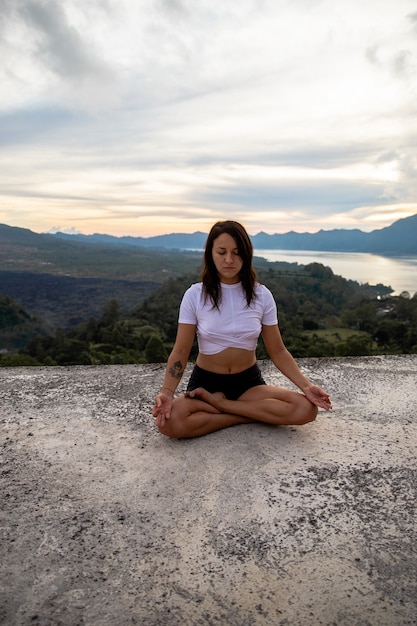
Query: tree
[(155, 351), (111, 313), (356, 345)]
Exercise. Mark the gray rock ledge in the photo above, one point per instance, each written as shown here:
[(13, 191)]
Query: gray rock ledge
[(105, 522)]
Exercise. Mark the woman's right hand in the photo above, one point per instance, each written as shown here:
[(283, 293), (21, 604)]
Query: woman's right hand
[(162, 409)]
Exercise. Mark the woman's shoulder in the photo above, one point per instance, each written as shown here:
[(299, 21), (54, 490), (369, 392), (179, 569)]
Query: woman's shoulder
[(260, 288), (194, 290), (264, 295)]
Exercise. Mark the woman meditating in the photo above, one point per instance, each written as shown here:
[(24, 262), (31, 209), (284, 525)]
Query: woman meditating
[(229, 310)]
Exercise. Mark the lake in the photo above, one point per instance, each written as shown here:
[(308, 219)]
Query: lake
[(398, 272)]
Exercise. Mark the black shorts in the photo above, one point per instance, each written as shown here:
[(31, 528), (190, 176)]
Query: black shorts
[(232, 385)]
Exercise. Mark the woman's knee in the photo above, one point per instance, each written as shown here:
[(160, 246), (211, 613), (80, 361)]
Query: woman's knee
[(310, 415), (307, 412), (174, 427), (169, 430)]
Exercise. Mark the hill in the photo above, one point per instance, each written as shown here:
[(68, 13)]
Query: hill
[(71, 281), (65, 301), (320, 314), (65, 281)]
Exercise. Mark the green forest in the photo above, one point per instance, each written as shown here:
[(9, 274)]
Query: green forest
[(320, 315)]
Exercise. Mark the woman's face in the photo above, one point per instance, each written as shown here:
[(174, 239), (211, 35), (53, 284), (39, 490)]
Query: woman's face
[(226, 259)]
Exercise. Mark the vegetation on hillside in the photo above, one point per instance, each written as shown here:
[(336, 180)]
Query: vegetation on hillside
[(17, 326), (320, 314)]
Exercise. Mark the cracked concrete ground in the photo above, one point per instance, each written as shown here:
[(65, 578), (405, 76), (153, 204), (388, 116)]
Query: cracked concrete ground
[(105, 522)]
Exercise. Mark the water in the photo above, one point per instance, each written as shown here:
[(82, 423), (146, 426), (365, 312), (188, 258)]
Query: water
[(400, 273)]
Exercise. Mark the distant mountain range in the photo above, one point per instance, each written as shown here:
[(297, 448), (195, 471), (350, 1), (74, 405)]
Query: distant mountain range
[(399, 239)]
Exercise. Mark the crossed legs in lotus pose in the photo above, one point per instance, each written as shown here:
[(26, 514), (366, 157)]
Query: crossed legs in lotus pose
[(199, 412)]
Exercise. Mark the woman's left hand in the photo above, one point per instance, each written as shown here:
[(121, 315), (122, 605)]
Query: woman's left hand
[(318, 396)]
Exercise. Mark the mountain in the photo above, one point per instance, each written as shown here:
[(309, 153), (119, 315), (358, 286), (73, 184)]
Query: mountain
[(23, 250), (396, 240), (399, 238), (195, 240), (330, 240)]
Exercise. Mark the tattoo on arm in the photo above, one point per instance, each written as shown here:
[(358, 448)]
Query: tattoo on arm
[(176, 370)]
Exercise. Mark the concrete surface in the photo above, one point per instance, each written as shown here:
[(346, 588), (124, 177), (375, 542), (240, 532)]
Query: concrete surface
[(106, 522)]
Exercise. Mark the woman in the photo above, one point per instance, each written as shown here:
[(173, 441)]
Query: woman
[(229, 309)]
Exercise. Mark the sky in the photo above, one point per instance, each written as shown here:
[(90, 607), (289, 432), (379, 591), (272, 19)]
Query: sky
[(145, 117)]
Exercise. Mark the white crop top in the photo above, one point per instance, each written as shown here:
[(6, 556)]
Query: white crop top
[(233, 324)]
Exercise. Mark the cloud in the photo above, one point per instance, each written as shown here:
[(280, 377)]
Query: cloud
[(22, 127), (60, 229), (139, 108), (48, 56), (176, 9), (321, 198), (59, 45)]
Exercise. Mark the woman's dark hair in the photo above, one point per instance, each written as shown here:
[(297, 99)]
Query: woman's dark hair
[(210, 277)]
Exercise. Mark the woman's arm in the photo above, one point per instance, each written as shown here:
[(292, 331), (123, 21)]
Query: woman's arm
[(286, 363), (175, 367), (178, 358)]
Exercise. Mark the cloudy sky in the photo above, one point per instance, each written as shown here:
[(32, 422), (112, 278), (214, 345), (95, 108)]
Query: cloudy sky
[(152, 116)]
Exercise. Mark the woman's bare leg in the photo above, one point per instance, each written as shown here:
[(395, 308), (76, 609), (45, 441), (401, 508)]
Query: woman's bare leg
[(194, 417), (263, 403), (201, 412)]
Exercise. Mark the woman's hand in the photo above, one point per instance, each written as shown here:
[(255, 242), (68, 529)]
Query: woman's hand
[(318, 396), (162, 409)]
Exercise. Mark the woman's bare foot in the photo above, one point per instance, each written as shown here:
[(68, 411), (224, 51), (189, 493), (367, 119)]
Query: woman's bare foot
[(214, 399)]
